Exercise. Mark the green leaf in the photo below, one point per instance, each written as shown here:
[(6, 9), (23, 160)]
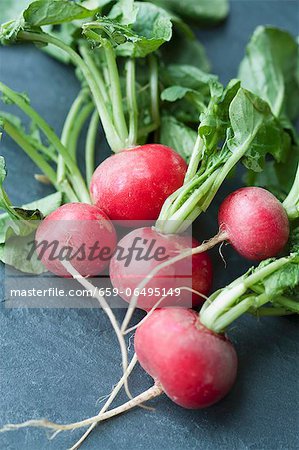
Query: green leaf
[(21, 221), (125, 11), (66, 32), (3, 171), (47, 12), (269, 69), (215, 120), (96, 4), (188, 77), (201, 11), (178, 136), (189, 89), (284, 280), (47, 204), (185, 50), (31, 211), (277, 177), (255, 128), (4, 200), (14, 252), (151, 29), (174, 93)]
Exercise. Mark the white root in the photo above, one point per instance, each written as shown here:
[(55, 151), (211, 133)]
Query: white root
[(105, 306), (112, 396), (220, 237), (151, 393)]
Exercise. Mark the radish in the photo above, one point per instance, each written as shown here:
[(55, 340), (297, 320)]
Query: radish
[(254, 222), (187, 354), (133, 184), (194, 271), (194, 366), (252, 238), (70, 233)]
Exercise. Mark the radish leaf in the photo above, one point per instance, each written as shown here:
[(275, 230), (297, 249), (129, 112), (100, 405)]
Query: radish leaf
[(47, 12), (152, 28), (269, 69), (178, 136), (208, 11)]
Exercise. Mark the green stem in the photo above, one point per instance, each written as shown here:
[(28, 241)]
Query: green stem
[(112, 136), (132, 102), (272, 311), (194, 190), (195, 159), (230, 295), (95, 72), (116, 95), (154, 88), (66, 131), (77, 128), (231, 315), (222, 174), (236, 311), (90, 146), (145, 131), (33, 154), (281, 300), (81, 189), (291, 305), (291, 203), (75, 132), (180, 220)]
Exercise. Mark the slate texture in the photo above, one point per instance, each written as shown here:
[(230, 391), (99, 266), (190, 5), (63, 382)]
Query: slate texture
[(57, 363)]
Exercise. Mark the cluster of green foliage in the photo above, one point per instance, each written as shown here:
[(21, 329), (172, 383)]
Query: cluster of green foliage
[(141, 72)]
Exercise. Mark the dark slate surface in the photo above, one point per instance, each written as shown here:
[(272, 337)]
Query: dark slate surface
[(57, 363)]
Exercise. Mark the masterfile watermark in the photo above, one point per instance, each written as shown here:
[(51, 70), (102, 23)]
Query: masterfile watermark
[(140, 250), (43, 273)]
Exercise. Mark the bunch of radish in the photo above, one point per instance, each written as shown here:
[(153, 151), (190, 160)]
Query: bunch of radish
[(150, 195)]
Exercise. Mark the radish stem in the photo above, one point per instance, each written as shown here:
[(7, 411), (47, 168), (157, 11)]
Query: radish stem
[(154, 88), (113, 138), (81, 189), (132, 101), (95, 71), (90, 146), (66, 131), (116, 95)]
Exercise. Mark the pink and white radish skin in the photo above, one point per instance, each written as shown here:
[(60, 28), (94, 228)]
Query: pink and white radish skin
[(133, 185), (194, 366), (75, 225), (254, 222), (194, 271)]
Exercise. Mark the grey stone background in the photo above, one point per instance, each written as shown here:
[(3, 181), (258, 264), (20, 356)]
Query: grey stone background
[(57, 363)]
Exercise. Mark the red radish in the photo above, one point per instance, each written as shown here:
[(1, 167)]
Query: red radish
[(133, 184), (195, 366), (74, 229), (194, 271), (255, 222)]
